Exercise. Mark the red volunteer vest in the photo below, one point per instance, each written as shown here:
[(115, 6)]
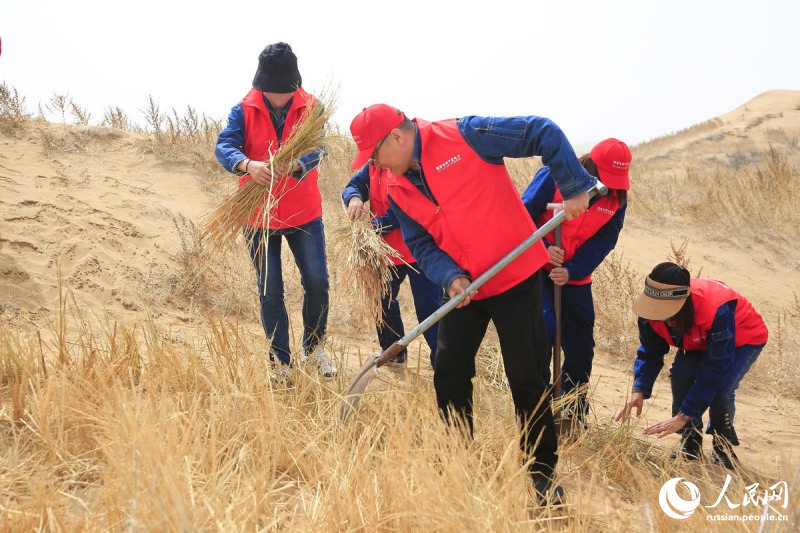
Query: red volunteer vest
[(299, 200), (577, 231), (379, 204), (480, 216), (707, 296)]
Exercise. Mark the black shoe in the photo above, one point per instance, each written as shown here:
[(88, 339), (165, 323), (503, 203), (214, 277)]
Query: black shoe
[(723, 454), (548, 492), (691, 446), (399, 359)]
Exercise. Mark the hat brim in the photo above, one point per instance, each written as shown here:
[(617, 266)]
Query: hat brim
[(362, 157), (652, 309), (276, 83), (613, 180)]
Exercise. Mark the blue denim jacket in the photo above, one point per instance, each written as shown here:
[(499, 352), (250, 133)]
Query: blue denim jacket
[(717, 360), (493, 138), (591, 253), (358, 186), (231, 140)]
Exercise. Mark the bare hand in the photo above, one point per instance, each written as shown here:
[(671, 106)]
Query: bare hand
[(355, 208), (637, 400), (267, 174), (457, 287), (556, 255), (559, 275), (577, 205), (666, 427)]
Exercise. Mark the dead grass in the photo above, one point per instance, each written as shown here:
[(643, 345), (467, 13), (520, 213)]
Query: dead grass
[(12, 108), (110, 426), (615, 286), (364, 264)]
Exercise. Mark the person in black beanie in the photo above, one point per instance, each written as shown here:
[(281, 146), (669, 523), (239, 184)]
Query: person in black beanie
[(257, 127)]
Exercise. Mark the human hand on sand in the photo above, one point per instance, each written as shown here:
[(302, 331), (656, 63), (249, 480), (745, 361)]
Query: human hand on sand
[(636, 401)]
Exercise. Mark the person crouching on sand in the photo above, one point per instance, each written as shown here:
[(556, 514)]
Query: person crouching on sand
[(719, 335)]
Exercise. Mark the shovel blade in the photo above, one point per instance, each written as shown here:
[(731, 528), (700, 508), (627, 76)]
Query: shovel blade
[(352, 395)]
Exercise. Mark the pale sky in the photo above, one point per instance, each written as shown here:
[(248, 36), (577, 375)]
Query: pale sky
[(634, 69)]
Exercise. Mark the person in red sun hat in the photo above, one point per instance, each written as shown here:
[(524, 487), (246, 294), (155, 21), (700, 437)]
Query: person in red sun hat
[(586, 241)]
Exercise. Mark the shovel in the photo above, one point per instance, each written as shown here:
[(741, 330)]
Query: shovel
[(369, 370)]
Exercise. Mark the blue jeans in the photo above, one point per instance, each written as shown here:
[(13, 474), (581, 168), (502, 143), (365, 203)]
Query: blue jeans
[(722, 409), (427, 299), (307, 243)]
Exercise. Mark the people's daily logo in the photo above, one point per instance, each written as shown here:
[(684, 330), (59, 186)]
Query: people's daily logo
[(773, 498), (675, 506)]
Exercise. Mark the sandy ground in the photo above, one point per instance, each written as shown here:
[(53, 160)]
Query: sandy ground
[(103, 214)]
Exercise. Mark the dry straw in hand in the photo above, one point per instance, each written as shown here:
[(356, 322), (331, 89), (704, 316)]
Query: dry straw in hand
[(365, 264)]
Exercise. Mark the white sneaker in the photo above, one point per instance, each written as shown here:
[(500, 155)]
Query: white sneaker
[(322, 361)]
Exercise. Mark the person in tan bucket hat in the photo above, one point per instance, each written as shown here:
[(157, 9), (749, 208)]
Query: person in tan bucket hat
[(719, 335)]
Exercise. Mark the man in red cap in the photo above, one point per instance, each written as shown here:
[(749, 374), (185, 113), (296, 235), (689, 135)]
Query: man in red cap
[(586, 241), (257, 127), (460, 213)]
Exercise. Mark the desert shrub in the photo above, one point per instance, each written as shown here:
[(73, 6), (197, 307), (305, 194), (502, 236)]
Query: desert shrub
[(12, 108), (615, 286), (184, 138), (115, 117)]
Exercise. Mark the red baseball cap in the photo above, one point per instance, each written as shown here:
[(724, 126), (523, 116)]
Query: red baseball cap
[(370, 126), (613, 159)]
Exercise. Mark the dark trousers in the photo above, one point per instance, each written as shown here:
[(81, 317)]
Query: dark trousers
[(682, 375), (427, 299), (517, 316)]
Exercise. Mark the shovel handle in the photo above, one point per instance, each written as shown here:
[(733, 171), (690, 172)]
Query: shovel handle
[(451, 304), (557, 340)]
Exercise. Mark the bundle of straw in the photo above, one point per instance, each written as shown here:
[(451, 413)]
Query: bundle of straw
[(364, 264), (223, 225)]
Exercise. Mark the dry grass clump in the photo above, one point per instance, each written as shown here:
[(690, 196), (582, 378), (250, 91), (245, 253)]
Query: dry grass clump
[(777, 364), (12, 108), (174, 137), (363, 264), (222, 226), (615, 286)]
